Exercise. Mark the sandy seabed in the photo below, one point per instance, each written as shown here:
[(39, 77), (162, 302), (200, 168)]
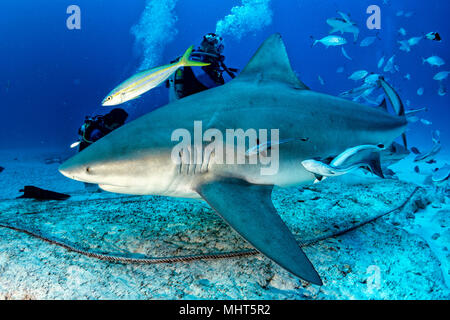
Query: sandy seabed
[(403, 255)]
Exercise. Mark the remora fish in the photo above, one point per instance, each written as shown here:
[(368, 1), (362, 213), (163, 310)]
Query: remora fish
[(442, 174), (365, 156), (144, 81), (422, 157), (138, 158)]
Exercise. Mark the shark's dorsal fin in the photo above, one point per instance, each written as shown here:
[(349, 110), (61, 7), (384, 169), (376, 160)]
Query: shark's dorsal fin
[(271, 63)]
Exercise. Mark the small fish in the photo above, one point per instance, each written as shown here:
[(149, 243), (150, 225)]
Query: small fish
[(441, 75), (356, 92), (343, 26), (372, 79), (412, 119), (380, 62), (404, 45), (367, 41), (414, 41), (331, 41), (426, 122), (434, 61), (442, 90), (345, 16), (407, 76), (75, 144), (400, 13), (321, 80), (442, 174), (358, 75), (344, 53), (420, 91), (409, 14), (144, 81), (390, 65), (434, 36), (410, 113), (402, 31), (340, 70)]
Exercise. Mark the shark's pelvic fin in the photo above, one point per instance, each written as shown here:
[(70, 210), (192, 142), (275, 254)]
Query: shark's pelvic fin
[(271, 63), (248, 209)]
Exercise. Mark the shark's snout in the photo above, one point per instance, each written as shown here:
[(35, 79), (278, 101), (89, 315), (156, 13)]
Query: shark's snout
[(72, 170)]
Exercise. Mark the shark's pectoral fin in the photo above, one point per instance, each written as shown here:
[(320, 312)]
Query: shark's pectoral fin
[(375, 165), (248, 209)]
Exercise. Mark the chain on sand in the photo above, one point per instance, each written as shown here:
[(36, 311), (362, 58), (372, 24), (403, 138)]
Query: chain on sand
[(189, 258)]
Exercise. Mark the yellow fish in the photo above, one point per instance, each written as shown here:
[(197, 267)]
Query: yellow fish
[(144, 81)]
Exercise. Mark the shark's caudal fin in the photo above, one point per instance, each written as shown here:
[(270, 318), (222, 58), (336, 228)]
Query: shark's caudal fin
[(248, 209), (395, 101), (271, 63)]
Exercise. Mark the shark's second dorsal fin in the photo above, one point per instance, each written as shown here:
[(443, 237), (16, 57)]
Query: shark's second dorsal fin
[(271, 63)]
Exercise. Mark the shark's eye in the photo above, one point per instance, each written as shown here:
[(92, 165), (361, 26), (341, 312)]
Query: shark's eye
[(88, 170)]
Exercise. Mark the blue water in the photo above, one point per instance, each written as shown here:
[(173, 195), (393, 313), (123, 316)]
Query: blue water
[(51, 77)]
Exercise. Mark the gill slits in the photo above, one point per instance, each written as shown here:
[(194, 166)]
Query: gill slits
[(195, 160)]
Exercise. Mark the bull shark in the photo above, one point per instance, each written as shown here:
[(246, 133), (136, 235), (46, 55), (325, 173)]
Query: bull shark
[(137, 158)]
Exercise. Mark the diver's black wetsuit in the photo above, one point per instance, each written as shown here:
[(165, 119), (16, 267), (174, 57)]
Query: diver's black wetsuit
[(186, 82)]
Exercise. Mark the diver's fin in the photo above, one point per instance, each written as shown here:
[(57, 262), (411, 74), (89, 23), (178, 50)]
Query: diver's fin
[(271, 63), (248, 209), (185, 62)]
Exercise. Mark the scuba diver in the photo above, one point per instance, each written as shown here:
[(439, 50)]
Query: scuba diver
[(95, 128), (187, 81)]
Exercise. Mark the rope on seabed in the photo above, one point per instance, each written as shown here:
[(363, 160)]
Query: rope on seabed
[(190, 258)]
